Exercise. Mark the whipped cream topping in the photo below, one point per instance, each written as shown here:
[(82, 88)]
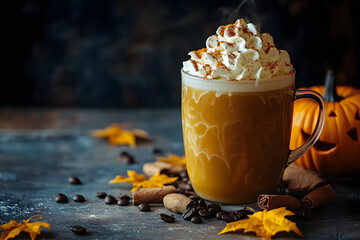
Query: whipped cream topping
[(238, 52)]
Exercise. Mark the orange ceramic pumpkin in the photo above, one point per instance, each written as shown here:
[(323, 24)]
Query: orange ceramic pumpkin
[(337, 152)]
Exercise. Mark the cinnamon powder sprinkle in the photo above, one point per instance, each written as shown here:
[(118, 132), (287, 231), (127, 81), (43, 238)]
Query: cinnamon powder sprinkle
[(231, 31), (222, 29), (267, 50), (195, 65), (200, 52)]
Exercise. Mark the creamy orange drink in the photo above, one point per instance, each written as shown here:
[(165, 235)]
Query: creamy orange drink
[(237, 106)]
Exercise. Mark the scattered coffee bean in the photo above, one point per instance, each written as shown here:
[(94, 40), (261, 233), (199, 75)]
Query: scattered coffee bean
[(305, 214), (292, 218), (202, 203), (78, 198), (196, 219), (157, 150), (194, 197), (124, 196), (109, 199), (74, 180), (185, 179), (192, 204), (234, 215), (204, 213), (189, 187), (101, 195), (180, 190), (184, 175), (167, 218), (219, 215), (126, 157), (227, 217), (213, 211), (123, 202), (144, 207), (189, 193), (189, 213), (241, 214), (78, 229), (61, 198)]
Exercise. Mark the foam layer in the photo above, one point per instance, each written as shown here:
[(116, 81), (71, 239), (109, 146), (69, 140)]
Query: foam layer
[(224, 86)]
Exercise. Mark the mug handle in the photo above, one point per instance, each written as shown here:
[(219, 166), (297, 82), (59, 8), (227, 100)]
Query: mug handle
[(297, 153)]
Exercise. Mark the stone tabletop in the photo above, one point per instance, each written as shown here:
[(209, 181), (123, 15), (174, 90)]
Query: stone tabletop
[(41, 148)]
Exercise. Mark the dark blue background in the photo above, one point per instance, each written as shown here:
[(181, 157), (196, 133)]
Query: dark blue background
[(129, 53)]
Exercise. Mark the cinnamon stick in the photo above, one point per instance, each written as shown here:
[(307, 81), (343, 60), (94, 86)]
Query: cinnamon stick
[(177, 202), (152, 195), (266, 201), (319, 197), (151, 169), (174, 170)]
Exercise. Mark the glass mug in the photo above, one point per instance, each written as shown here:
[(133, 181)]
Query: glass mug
[(237, 134)]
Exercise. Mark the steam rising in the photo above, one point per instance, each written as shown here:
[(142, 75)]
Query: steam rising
[(246, 9)]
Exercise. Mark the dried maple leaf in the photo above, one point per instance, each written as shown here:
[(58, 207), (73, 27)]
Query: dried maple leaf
[(139, 180), (265, 223), (173, 159), (13, 228), (116, 135)]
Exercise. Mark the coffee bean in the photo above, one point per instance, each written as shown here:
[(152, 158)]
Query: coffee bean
[(144, 207), (101, 195), (126, 157), (167, 218), (189, 187), (204, 213), (124, 196), (78, 229), (192, 204), (189, 213), (305, 214), (241, 214), (78, 198), (196, 219), (109, 199), (227, 217), (61, 198), (292, 218), (194, 197), (157, 150), (189, 193), (202, 203), (74, 180), (185, 179), (234, 215), (219, 215), (123, 202), (180, 190), (184, 174), (213, 211)]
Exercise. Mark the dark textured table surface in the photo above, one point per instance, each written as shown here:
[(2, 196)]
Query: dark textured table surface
[(41, 149)]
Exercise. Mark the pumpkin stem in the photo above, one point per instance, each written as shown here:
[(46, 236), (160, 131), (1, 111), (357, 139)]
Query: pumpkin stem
[(330, 94)]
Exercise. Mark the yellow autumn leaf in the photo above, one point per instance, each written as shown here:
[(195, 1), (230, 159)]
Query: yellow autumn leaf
[(116, 135), (173, 159), (13, 228), (139, 180), (265, 223), (133, 177)]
